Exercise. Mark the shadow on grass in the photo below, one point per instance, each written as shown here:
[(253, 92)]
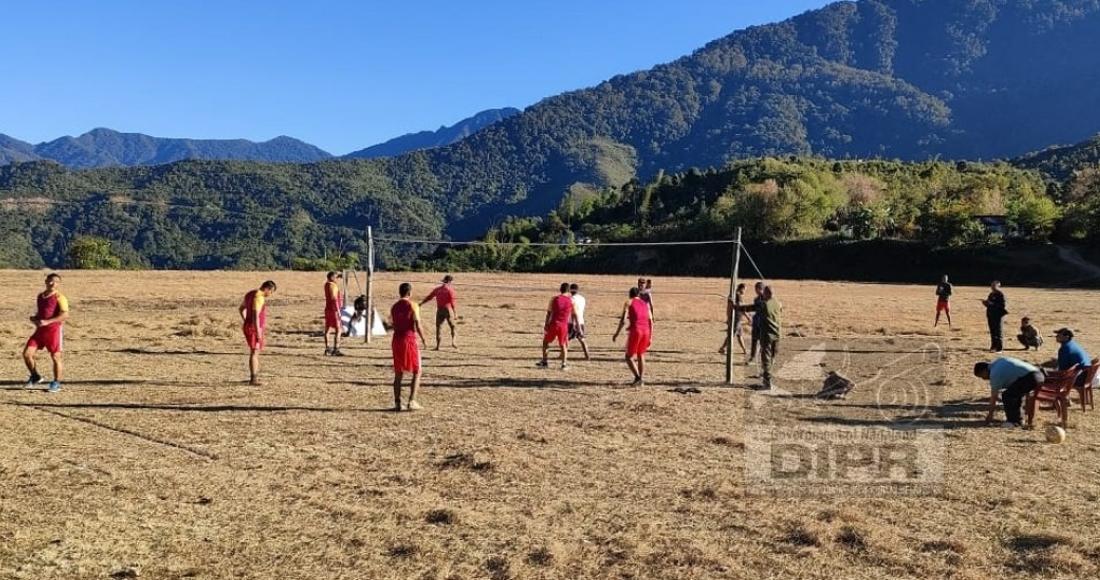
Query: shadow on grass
[(203, 408), (949, 415), (142, 351)]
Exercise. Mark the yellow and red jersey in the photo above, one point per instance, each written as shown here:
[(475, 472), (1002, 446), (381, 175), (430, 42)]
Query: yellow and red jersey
[(255, 306), (51, 304), (332, 296)]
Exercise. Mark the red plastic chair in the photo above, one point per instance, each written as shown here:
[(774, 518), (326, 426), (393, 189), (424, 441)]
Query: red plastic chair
[(1055, 390), (1084, 392)]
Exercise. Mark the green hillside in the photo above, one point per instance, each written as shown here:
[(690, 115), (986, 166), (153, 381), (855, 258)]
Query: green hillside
[(906, 79), (930, 204), (205, 214)]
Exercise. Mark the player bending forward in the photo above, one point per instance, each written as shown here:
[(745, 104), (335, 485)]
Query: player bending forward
[(253, 311), (558, 315), (49, 320), (639, 336), (405, 315)]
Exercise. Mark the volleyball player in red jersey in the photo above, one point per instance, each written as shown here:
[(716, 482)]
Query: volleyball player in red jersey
[(49, 320), (405, 315), (445, 309), (253, 311), (558, 315), (639, 336), (333, 302)]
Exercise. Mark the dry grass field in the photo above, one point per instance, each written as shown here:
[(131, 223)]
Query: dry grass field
[(158, 461)]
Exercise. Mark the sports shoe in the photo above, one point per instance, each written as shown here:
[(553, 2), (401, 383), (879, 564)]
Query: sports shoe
[(328, 352), (397, 406), (33, 380), (336, 352), (564, 367), (414, 406), (1011, 425), (55, 387), (637, 382), (542, 364)]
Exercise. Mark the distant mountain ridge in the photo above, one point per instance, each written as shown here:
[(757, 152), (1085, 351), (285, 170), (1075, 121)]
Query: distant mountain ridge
[(13, 150), (430, 139), (895, 79), (108, 148), (1061, 162), (103, 147)]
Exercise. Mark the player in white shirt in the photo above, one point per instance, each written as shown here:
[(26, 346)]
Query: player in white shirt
[(576, 326)]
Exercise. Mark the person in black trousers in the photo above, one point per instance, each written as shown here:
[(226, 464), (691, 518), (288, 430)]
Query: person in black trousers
[(995, 312), (1010, 380)]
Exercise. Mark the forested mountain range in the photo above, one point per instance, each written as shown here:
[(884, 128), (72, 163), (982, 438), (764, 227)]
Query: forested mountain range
[(108, 148), (906, 79), (1062, 162), (439, 138)]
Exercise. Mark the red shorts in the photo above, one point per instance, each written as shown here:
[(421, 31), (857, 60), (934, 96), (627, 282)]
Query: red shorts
[(638, 342), (406, 355), (556, 332), (252, 337), (332, 319), (943, 306), (46, 337)]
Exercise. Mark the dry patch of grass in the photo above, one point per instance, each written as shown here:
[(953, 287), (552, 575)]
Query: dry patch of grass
[(157, 460)]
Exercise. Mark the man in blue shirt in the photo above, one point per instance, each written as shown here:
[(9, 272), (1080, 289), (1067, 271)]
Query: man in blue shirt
[(1013, 379), (1071, 353)]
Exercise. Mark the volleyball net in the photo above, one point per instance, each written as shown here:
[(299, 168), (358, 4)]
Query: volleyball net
[(378, 286)]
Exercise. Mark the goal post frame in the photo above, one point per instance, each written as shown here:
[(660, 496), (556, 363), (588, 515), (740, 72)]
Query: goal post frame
[(732, 318)]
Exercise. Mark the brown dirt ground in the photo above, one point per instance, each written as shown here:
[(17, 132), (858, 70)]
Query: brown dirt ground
[(157, 461)]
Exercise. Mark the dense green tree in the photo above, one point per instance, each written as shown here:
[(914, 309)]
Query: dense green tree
[(92, 253)]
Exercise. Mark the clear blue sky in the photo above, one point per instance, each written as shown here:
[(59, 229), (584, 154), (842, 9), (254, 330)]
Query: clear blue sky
[(339, 74)]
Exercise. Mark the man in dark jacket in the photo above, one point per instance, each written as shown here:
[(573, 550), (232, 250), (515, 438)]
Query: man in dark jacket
[(995, 312)]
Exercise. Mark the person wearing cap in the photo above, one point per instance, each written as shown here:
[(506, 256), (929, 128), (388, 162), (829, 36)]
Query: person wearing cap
[(333, 303), (1010, 379), (1071, 353), (445, 311), (768, 309), (1029, 335)]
